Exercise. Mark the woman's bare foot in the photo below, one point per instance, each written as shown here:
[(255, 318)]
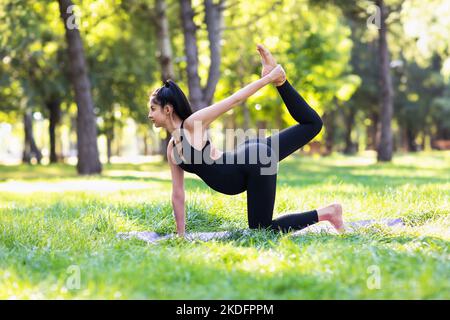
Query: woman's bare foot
[(269, 63), (332, 214)]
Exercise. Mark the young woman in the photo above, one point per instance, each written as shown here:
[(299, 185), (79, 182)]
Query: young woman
[(170, 109)]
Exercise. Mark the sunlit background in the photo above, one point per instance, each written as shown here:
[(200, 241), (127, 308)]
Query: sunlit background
[(80, 162)]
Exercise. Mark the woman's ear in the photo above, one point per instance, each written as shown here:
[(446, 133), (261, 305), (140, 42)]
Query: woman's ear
[(168, 109)]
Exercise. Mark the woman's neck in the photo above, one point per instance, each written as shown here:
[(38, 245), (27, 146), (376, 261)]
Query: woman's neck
[(173, 125)]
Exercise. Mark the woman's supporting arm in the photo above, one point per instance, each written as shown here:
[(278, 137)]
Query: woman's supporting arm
[(207, 115), (179, 213), (178, 196)]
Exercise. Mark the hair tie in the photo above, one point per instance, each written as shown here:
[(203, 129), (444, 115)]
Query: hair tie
[(167, 84)]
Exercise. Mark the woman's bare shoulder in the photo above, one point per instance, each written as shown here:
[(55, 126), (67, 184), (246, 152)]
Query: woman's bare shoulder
[(191, 123)]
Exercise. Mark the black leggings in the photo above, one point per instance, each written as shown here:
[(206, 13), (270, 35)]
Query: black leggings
[(247, 176), (261, 189)]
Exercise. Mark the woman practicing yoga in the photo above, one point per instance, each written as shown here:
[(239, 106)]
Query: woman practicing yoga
[(190, 150)]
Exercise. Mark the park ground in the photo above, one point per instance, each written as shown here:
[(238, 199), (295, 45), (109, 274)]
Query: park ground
[(58, 233)]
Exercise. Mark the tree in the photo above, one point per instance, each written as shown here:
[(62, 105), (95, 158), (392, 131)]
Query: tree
[(199, 96), (88, 157), (424, 50), (165, 54), (313, 50), (385, 147), (155, 17), (357, 11)]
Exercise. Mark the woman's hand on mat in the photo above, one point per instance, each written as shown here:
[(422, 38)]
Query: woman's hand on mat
[(276, 74), (181, 231), (180, 235)]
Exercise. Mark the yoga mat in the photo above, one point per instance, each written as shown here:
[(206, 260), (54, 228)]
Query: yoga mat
[(153, 237), (350, 226)]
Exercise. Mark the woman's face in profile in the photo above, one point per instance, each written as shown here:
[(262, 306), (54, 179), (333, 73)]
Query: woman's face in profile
[(155, 114)]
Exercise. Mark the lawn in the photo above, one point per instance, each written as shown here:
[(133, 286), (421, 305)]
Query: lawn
[(58, 234)]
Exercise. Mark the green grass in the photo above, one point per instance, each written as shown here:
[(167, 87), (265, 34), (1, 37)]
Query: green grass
[(50, 220)]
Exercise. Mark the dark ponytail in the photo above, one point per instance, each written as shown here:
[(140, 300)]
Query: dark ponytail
[(170, 93)]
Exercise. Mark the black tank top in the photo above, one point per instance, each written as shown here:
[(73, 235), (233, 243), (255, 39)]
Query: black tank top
[(195, 160), (223, 178)]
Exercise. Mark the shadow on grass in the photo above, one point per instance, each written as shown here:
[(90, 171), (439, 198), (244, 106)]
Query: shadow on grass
[(297, 172), (293, 174)]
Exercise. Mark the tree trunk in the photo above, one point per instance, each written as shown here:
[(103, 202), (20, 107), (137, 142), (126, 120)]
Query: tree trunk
[(191, 52), (386, 141), (72, 142), (411, 140), (110, 124), (372, 132), (30, 149), (27, 126), (329, 124), (109, 140), (349, 123), (198, 96), (165, 56), (214, 24), (145, 142), (88, 156), (118, 132), (54, 106)]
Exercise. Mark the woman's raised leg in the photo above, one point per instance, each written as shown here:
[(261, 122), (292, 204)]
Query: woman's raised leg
[(293, 138)]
